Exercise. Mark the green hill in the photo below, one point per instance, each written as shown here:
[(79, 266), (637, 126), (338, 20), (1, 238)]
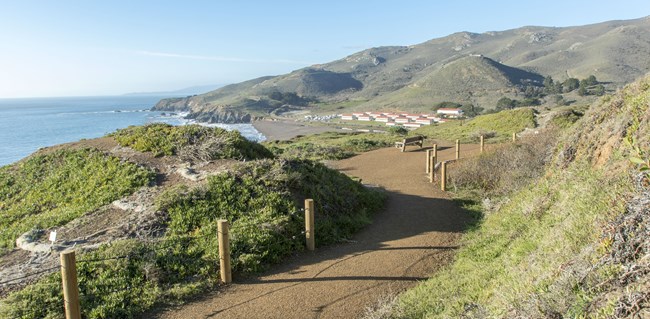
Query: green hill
[(461, 67)]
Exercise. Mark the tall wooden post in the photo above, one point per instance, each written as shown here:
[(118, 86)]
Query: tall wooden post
[(309, 224), (70, 285), (482, 143), (514, 137), (443, 176), (429, 152), (457, 149), (432, 173), (224, 251), (435, 150)]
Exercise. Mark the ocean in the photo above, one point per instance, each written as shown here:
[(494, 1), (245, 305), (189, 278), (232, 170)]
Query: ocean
[(29, 124)]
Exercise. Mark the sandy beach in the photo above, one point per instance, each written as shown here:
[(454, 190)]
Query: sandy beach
[(284, 130)]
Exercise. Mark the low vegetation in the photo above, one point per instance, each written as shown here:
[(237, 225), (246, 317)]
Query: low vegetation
[(569, 239), (333, 145), (191, 142), (263, 202), (52, 189), (497, 126)]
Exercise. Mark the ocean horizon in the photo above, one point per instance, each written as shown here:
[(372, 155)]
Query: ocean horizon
[(28, 124)]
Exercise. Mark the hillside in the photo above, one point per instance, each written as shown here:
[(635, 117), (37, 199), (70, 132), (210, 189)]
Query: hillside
[(443, 69), (140, 207), (564, 232)]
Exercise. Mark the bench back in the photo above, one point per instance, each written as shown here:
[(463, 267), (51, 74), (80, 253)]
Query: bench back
[(413, 139)]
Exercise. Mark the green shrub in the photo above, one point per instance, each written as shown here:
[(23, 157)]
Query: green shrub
[(121, 280), (50, 190), (191, 142), (262, 201), (259, 199), (398, 130)]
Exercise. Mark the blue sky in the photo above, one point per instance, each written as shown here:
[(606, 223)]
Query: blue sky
[(72, 48)]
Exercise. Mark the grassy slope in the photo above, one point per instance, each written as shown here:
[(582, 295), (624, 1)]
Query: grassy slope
[(538, 254), (262, 200), (50, 190), (331, 145), (501, 125)]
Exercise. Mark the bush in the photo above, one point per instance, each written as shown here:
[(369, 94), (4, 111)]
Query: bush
[(398, 130), (191, 142), (262, 200), (505, 169)]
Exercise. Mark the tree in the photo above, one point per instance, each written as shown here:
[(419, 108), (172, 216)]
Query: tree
[(559, 100), (470, 110), (506, 103), (591, 80), (599, 90), (571, 84), (582, 91), (549, 86)]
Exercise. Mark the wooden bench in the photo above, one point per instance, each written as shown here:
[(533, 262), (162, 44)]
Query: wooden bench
[(415, 140)]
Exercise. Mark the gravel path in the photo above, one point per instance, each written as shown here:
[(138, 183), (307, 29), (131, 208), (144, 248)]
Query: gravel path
[(416, 235)]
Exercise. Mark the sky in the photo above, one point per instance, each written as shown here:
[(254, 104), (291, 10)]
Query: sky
[(86, 48)]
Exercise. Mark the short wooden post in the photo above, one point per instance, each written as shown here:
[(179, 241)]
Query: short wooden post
[(457, 149), (224, 251), (309, 224), (514, 137), (429, 152), (443, 176), (70, 285), (482, 143)]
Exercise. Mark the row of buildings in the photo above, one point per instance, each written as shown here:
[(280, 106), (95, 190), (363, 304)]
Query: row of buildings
[(405, 119)]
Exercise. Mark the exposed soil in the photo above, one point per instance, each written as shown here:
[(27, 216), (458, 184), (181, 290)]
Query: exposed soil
[(412, 238)]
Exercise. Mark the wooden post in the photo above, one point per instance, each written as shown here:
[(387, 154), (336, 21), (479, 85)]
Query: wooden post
[(309, 224), (224, 251), (432, 173), (514, 137), (457, 149), (70, 285), (443, 176), (429, 152), (482, 143), (435, 150)]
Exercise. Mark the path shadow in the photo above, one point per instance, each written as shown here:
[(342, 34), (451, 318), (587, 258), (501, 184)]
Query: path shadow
[(404, 216)]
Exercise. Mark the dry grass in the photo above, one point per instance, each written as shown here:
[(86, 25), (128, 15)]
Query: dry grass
[(506, 169)]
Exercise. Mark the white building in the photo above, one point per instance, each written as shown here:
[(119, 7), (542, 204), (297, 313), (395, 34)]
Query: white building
[(382, 118), (424, 121), (348, 117), (450, 112)]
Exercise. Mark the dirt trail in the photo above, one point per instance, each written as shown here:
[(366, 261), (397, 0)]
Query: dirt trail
[(411, 239)]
